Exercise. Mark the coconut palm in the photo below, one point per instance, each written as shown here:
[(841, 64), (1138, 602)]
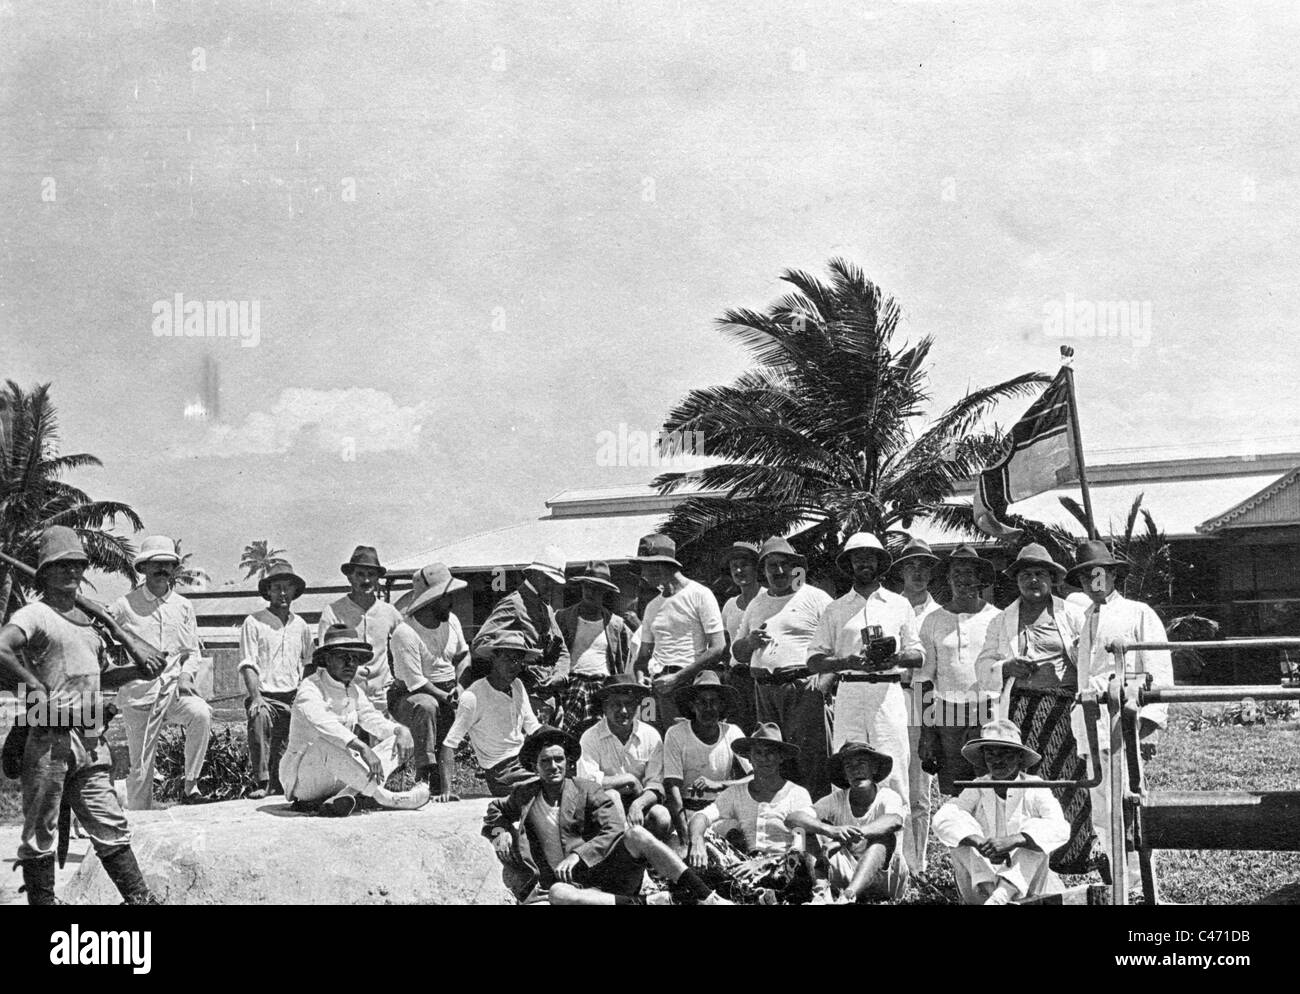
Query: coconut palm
[(187, 574), (824, 433), (259, 558), (33, 496)]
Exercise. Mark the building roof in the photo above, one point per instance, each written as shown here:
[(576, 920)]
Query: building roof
[(1276, 504)]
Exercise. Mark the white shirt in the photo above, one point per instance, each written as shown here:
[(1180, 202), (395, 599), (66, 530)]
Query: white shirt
[(373, 625), (732, 612), (791, 621), (275, 650), (679, 626), (839, 632), (836, 809), (495, 723), (686, 757), (952, 643), (590, 646), (328, 711), (427, 655), (1136, 622), (168, 623), (63, 653), (763, 824), (1035, 813), (603, 755)]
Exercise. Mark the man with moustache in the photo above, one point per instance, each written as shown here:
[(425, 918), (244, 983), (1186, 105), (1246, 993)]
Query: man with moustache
[(869, 638), (155, 612), (741, 563), (371, 616)]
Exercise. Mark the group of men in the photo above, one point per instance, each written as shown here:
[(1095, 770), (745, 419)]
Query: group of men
[(784, 720)]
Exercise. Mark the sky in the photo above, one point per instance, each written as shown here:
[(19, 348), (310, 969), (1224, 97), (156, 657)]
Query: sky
[(476, 235)]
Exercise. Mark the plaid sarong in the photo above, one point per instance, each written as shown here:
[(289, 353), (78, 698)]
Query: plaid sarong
[(580, 711), (1043, 718)]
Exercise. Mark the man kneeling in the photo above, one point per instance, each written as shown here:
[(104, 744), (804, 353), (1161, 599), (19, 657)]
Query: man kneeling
[(860, 822), (569, 837), (1002, 837), (326, 762)]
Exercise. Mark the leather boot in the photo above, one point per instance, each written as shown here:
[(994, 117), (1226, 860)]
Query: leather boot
[(38, 880), (121, 867)]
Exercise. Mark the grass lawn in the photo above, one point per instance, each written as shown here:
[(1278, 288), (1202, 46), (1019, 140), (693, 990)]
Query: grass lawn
[(1196, 753)]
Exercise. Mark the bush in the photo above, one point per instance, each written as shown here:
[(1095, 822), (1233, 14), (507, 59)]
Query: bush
[(226, 774)]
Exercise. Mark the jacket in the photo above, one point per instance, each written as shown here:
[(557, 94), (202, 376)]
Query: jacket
[(523, 610), (591, 824), (1033, 812), (1000, 645), (618, 639), (326, 711)]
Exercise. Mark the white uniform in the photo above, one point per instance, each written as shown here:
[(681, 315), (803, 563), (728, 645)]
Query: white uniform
[(916, 832)]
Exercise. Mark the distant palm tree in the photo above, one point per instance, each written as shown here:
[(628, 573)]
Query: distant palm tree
[(33, 497), (187, 574), (823, 432), (259, 558)]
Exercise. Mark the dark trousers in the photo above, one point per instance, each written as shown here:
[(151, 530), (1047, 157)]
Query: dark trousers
[(799, 708), (506, 776), (268, 735), (428, 719), (743, 683)]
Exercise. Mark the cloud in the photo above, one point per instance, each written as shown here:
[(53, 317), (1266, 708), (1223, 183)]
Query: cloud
[(346, 423)]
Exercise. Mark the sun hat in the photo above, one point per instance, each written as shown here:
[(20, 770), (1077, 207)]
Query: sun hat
[(707, 680), (550, 562), (363, 555), (657, 548), (598, 575), (1094, 553), (427, 585), (59, 542), (780, 547), (1001, 732), (882, 763), (547, 735), (619, 683), (737, 550), (342, 638), (967, 554), (155, 548), (915, 549), (768, 732), (862, 540), (1034, 554), (281, 571), (507, 638)]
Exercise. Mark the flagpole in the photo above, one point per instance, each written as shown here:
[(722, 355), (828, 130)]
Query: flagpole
[(1067, 360)]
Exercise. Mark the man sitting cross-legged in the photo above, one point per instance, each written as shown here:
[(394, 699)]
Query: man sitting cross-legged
[(566, 840), (860, 822), (626, 756), (1002, 837), (326, 761), (699, 763)]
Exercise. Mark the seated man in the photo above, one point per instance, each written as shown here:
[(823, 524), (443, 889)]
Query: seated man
[(565, 839), (494, 713), (1002, 837), (626, 756), (861, 822), (326, 760), (699, 763)]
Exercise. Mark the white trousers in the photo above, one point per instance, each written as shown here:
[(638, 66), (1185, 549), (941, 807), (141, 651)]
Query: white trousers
[(875, 713), (326, 769), (915, 840), (1027, 872), (191, 713), (891, 884)]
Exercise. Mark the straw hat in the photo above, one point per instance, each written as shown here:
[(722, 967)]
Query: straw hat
[(780, 547), (342, 638), (967, 554), (739, 550), (916, 550), (1034, 554), (281, 571), (998, 733), (708, 680), (430, 583), (550, 562), (58, 542)]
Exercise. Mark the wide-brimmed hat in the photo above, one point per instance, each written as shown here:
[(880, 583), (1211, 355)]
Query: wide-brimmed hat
[(862, 540), (156, 548), (747, 550), (342, 638), (427, 585), (59, 542), (281, 571), (363, 555), (508, 638), (622, 683), (968, 554), (768, 732), (998, 733), (1034, 554), (657, 548), (598, 575), (1094, 553), (707, 680), (547, 735), (882, 764), (916, 550), (780, 547), (550, 562)]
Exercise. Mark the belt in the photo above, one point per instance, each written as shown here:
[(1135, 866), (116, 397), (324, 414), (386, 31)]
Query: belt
[(871, 677), (779, 677)]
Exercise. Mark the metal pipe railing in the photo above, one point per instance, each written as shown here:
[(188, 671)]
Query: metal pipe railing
[(1091, 715), (1203, 695)]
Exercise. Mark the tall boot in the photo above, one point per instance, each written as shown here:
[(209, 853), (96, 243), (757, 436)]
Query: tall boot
[(38, 880), (121, 867)]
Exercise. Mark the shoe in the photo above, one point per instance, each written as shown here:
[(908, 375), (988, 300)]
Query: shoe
[(407, 800), (659, 897), (256, 794), (120, 865), (715, 899), (196, 797), (338, 806), (38, 880)]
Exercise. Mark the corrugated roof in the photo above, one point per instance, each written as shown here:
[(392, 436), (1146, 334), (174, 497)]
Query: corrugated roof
[(1277, 504)]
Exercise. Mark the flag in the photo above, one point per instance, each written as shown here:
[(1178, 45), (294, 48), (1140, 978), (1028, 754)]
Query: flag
[(1039, 455)]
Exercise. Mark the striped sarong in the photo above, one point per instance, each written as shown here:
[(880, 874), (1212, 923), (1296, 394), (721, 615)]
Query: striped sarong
[(1043, 718)]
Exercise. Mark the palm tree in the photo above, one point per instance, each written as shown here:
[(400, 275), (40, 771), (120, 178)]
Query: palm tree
[(189, 575), (822, 432), (259, 558), (33, 497)]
